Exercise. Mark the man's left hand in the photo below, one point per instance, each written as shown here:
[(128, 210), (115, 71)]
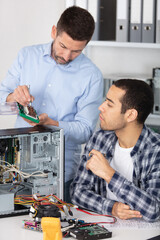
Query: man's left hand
[(43, 120), (99, 165)]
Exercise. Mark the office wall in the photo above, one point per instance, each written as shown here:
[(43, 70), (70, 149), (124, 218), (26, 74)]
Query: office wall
[(22, 23)]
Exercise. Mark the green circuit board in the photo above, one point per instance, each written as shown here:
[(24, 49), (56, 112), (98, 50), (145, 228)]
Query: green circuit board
[(28, 112)]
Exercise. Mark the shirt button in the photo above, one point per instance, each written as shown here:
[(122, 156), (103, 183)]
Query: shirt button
[(44, 104), (49, 85)]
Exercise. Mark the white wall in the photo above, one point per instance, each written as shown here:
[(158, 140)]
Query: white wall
[(22, 23)]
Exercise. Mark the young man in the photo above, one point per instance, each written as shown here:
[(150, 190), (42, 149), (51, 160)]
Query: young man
[(119, 173), (64, 84)]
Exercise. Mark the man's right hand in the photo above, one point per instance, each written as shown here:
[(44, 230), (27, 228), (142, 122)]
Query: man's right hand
[(123, 211), (21, 95)]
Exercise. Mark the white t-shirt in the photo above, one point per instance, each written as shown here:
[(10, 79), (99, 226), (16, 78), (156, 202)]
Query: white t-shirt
[(122, 163)]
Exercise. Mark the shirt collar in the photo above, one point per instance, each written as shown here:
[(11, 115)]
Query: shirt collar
[(142, 140), (47, 49), (137, 149)]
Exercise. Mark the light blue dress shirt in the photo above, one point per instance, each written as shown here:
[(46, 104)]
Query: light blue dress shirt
[(70, 94)]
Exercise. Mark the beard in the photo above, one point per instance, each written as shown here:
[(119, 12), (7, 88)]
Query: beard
[(61, 60), (58, 59)]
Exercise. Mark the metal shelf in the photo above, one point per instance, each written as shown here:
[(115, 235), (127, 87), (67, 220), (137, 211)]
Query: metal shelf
[(123, 44), (153, 119)]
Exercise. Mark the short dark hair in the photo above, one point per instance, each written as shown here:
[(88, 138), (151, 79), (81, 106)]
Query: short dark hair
[(77, 22), (139, 96)]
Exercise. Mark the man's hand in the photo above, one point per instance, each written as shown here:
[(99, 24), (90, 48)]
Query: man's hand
[(43, 120), (99, 165), (21, 95), (123, 211)]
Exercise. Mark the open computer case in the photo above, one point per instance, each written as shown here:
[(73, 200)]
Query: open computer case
[(31, 162)]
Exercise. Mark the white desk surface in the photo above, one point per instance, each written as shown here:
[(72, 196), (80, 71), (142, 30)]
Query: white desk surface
[(12, 228)]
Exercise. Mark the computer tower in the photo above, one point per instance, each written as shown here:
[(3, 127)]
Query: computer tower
[(31, 162)]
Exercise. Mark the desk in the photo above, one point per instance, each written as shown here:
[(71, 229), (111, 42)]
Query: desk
[(11, 228)]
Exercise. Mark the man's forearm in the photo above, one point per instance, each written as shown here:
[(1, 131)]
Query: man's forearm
[(148, 205)]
